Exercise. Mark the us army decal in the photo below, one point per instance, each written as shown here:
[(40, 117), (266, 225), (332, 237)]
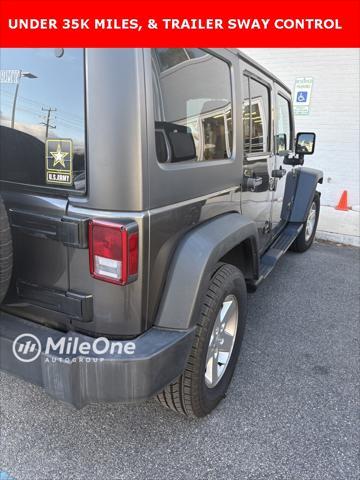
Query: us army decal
[(59, 161)]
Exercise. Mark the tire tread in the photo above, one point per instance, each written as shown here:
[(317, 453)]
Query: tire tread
[(6, 252), (178, 395)]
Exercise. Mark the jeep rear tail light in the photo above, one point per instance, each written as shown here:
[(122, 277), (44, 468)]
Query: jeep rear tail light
[(114, 251)]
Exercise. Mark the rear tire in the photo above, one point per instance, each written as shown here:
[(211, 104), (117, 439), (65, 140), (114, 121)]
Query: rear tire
[(306, 238), (6, 253), (205, 381)]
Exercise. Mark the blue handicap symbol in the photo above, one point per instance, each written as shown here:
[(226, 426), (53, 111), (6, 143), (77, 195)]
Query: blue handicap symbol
[(5, 476), (301, 97)]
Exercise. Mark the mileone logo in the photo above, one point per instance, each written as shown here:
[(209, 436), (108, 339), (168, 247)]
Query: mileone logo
[(27, 348)]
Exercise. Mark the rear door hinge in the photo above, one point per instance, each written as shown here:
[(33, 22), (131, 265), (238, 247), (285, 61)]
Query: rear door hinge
[(68, 230)]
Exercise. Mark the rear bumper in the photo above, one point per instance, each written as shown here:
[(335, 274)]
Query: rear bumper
[(117, 375)]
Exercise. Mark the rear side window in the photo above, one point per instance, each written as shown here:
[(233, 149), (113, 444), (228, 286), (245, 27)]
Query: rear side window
[(42, 121), (193, 107), (283, 122), (170, 57), (256, 114)]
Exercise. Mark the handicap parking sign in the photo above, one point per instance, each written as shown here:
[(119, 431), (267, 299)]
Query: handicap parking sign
[(301, 97)]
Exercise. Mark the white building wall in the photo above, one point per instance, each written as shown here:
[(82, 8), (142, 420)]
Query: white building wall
[(334, 116)]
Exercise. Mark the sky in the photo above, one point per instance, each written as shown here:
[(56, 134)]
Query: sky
[(59, 84)]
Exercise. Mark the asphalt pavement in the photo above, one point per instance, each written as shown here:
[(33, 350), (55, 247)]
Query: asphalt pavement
[(290, 414)]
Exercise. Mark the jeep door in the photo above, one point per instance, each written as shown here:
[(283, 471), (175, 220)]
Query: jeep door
[(284, 141), (258, 159)]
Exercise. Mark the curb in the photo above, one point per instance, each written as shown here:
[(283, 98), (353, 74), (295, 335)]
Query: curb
[(351, 240)]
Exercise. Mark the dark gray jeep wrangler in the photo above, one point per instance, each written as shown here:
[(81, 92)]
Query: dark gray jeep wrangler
[(143, 192)]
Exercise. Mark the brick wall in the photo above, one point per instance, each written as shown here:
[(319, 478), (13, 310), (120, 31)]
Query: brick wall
[(334, 111)]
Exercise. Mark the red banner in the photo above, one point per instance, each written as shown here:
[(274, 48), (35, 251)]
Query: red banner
[(220, 23)]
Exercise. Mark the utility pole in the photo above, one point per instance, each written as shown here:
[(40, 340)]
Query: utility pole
[(47, 122)]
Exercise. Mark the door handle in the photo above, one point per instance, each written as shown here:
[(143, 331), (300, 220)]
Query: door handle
[(253, 182), (278, 173)]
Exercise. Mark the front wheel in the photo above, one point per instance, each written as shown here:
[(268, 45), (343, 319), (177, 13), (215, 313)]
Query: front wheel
[(306, 236), (216, 347)]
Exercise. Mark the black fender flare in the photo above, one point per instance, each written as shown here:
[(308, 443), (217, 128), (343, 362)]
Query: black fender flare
[(299, 192), (193, 264)]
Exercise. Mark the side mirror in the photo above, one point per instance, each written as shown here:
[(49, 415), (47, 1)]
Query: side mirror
[(305, 143), (280, 143)]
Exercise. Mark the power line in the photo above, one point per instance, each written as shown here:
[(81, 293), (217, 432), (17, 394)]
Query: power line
[(76, 118), (47, 121)]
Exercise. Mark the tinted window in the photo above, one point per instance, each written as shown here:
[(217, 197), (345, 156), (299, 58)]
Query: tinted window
[(42, 128), (256, 114), (170, 57), (193, 113), (283, 125)]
